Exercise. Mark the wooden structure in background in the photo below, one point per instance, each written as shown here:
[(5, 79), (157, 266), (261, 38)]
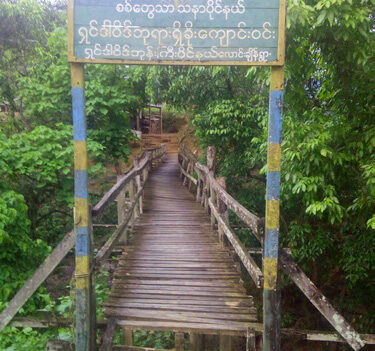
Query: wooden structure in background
[(150, 119)]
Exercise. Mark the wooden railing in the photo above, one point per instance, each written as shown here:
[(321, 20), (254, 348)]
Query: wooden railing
[(212, 194), (134, 180), (128, 192)]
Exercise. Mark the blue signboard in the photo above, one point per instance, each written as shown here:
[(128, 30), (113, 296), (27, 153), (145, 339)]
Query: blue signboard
[(184, 32)]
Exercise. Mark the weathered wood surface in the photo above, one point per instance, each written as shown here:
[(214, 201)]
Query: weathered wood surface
[(176, 271), (67, 243), (34, 322), (320, 302), (106, 249), (34, 282), (59, 345), (251, 220), (187, 175), (136, 348), (108, 335), (112, 194), (179, 341), (311, 335), (240, 249), (206, 176)]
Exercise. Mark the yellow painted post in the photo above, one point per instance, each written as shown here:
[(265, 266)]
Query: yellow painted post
[(271, 295), (85, 328)]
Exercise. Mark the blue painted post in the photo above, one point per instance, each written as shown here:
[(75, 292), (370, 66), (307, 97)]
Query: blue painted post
[(82, 226), (271, 295)]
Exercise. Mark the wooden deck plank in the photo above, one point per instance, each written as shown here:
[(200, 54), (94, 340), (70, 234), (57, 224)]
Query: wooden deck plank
[(188, 308), (175, 275)]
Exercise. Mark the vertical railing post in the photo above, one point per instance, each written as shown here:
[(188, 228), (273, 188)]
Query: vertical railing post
[(85, 328), (191, 170), (138, 187), (179, 341), (187, 171), (121, 205), (164, 151), (213, 199), (223, 210), (203, 196), (211, 165), (131, 187), (145, 173), (199, 185), (183, 163), (211, 159), (271, 294), (121, 211)]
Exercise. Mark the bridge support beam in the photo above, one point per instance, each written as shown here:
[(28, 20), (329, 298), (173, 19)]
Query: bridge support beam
[(128, 337), (271, 294), (85, 305), (179, 341), (196, 342), (225, 343)]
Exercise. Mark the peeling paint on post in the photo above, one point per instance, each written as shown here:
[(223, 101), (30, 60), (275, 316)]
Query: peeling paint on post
[(82, 222), (271, 295)]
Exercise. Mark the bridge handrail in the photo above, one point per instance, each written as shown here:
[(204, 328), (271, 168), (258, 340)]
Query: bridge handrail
[(136, 177), (67, 243), (255, 223), (213, 192), (148, 156), (216, 200)]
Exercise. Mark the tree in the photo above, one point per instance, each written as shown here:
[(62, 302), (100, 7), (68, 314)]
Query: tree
[(24, 29), (39, 165), (113, 95)]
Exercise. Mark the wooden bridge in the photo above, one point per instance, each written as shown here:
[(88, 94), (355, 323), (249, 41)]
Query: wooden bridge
[(182, 267), (177, 275)]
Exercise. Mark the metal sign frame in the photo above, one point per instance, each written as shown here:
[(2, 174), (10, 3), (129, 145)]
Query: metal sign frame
[(278, 62)]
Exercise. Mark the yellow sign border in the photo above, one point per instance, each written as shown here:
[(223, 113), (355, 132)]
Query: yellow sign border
[(279, 62)]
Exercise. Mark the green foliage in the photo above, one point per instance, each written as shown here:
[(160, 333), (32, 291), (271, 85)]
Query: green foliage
[(194, 87), (46, 89), (159, 340), (36, 189), (24, 28), (25, 339), (306, 244), (174, 119), (113, 95), (102, 289), (111, 101), (39, 165), (19, 254), (328, 172), (230, 125)]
